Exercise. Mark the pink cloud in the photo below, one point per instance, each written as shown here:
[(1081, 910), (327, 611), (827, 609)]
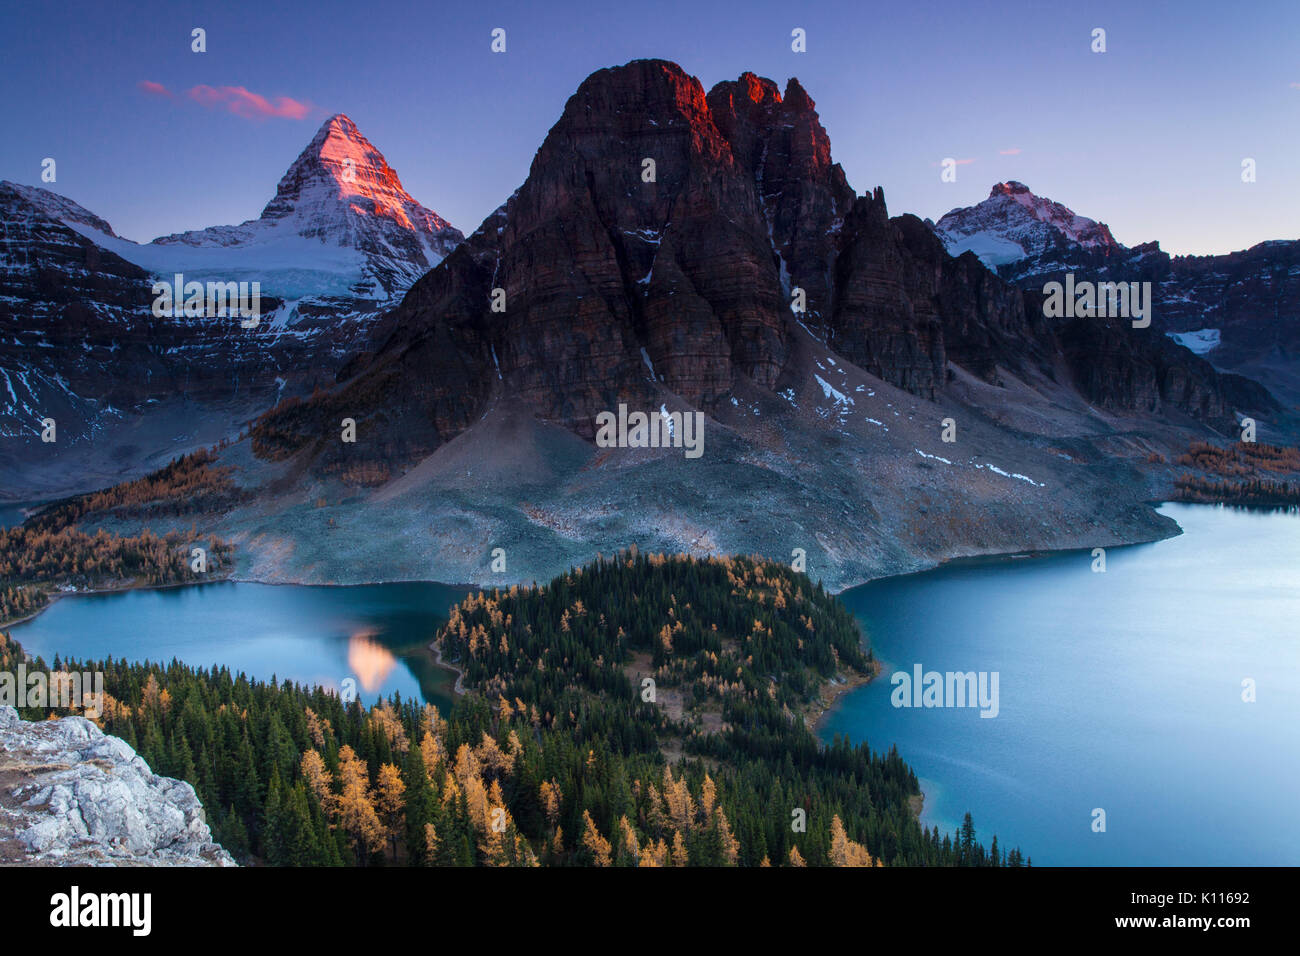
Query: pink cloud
[(242, 102), (154, 89), (1013, 151)]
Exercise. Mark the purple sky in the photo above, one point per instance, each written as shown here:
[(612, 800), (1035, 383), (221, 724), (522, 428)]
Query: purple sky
[(1148, 136)]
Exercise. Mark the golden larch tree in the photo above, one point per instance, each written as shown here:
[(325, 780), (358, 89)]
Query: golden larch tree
[(355, 811), (630, 843), (680, 856), (317, 776), (593, 842), (844, 852)]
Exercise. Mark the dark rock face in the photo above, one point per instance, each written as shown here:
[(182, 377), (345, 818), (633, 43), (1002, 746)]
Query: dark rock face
[(1111, 374), (876, 322), (608, 276), (803, 196), (1252, 297), (63, 297), (905, 308)]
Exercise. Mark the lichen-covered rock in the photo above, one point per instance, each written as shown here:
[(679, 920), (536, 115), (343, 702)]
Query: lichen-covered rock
[(72, 795)]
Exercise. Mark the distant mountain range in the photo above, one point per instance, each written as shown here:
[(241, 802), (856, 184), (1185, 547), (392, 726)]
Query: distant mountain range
[(1240, 310), (671, 251), (337, 245)]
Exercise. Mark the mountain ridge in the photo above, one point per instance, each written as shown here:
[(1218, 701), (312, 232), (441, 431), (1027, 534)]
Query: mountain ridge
[(129, 389), (687, 274), (1240, 310), (674, 295), (654, 257)]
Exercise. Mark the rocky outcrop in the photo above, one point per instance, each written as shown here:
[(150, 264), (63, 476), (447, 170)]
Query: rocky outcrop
[(72, 796)]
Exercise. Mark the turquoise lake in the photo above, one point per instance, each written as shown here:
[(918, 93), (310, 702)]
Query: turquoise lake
[(1120, 691)]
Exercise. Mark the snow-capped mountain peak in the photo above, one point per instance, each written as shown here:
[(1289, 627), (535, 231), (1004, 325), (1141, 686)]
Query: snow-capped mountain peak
[(1014, 223), (340, 167), (339, 202), (1087, 232)]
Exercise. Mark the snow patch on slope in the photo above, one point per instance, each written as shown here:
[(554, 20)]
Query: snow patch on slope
[(1200, 342)]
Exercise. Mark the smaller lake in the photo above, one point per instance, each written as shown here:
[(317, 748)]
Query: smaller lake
[(377, 635)]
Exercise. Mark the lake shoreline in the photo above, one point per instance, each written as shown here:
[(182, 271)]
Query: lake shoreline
[(833, 691), (925, 567), (54, 596), (969, 561), (849, 583), (57, 595), (458, 689), (995, 557)]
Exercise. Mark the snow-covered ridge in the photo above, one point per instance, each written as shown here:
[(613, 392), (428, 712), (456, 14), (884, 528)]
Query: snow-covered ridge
[(1013, 224), (61, 208)]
